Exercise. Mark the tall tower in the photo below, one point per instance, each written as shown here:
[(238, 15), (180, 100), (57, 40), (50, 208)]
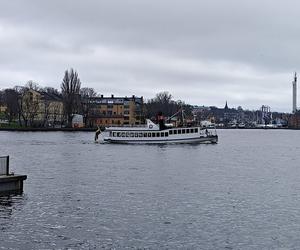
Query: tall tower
[(295, 93)]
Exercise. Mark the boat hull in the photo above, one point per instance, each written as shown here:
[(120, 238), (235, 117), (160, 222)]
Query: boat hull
[(208, 139)]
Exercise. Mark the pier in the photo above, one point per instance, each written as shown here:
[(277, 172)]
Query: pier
[(9, 182)]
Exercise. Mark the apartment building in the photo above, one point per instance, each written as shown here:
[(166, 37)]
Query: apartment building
[(115, 111)]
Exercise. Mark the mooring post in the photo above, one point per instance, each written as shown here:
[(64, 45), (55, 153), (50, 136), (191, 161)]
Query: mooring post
[(7, 165)]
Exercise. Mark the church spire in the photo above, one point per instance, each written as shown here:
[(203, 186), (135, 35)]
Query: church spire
[(226, 106)]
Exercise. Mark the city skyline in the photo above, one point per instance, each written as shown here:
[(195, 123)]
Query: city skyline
[(200, 52)]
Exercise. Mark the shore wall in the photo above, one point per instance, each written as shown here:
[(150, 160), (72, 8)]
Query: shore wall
[(48, 129)]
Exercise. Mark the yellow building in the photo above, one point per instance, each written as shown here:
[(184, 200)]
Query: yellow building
[(118, 111), (42, 108)]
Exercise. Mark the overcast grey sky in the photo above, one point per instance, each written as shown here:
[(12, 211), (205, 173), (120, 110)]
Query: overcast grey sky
[(202, 52)]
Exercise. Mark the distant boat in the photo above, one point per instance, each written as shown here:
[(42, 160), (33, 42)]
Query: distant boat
[(152, 133), (241, 125)]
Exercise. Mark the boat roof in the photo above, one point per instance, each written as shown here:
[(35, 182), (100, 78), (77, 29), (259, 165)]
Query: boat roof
[(151, 126)]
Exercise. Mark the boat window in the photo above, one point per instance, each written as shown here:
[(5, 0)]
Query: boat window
[(166, 134), (136, 134), (183, 131), (110, 133), (149, 134), (140, 134), (179, 131), (171, 132), (118, 134), (162, 134), (157, 134), (192, 130), (153, 134), (196, 130), (127, 134), (187, 130), (145, 134), (114, 134), (131, 134), (123, 134), (175, 132)]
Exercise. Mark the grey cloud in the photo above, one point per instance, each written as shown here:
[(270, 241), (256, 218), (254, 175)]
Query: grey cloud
[(204, 52)]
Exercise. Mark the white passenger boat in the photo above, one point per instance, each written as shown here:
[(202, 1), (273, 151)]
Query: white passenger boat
[(152, 133)]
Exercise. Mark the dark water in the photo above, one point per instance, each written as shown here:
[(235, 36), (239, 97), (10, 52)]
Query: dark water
[(243, 193)]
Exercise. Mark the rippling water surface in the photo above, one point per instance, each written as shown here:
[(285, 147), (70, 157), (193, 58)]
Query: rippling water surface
[(243, 193)]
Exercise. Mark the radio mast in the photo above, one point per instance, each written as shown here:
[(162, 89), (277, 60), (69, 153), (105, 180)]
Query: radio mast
[(295, 93)]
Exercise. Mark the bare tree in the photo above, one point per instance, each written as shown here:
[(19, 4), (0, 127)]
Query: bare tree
[(86, 95), (163, 103), (10, 99), (46, 113), (32, 85), (51, 90), (30, 107), (56, 114), (70, 89)]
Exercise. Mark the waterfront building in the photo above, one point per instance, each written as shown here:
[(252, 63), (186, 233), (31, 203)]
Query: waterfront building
[(115, 111), (294, 121), (43, 109)]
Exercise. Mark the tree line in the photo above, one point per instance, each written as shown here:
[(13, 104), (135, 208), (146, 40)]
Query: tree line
[(23, 109)]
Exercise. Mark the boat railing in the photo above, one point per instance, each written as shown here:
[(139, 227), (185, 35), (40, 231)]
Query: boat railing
[(128, 126), (4, 165)]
